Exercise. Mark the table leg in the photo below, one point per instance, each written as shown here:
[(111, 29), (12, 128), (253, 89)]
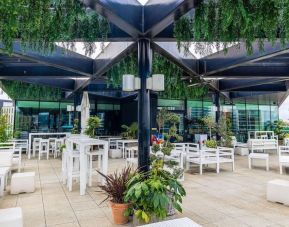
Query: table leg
[(29, 147), (83, 169), (105, 161)]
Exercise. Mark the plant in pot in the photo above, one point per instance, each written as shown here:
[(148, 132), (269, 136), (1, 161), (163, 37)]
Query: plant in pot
[(115, 187), (210, 123), (224, 131), (74, 130), (211, 143), (130, 132), (151, 193), (92, 124)]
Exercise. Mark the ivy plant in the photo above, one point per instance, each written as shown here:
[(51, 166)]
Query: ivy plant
[(24, 91), (234, 21), (39, 24)]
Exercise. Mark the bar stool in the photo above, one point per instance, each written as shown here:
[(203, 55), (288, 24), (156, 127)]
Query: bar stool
[(35, 145), (73, 167), (44, 148), (91, 171), (57, 146), (52, 145)]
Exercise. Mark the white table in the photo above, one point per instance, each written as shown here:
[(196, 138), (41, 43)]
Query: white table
[(120, 144), (84, 145), (180, 222), (41, 134)]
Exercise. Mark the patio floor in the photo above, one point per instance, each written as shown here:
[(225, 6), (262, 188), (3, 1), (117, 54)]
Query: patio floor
[(226, 199)]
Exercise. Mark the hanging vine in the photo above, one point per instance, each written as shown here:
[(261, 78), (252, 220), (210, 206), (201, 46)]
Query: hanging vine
[(39, 24), (232, 21), (24, 91), (175, 87)]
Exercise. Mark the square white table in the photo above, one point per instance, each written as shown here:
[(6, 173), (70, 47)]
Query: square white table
[(84, 145), (180, 222)]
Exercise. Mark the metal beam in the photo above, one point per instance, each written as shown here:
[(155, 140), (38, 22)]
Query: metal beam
[(127, 15), (237, 56), (262, 86), (169, 49), (112, 54), (159, 14), (60, 58)]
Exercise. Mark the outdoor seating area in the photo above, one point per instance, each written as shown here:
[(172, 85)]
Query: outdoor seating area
[(144, 113)]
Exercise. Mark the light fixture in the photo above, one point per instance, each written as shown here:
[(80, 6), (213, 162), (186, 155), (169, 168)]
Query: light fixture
[(154, 83)]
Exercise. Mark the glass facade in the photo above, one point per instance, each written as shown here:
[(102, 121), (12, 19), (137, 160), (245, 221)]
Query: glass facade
[(44, 116)]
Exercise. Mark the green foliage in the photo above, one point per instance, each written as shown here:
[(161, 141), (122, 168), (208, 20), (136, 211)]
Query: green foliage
[(211, 143), (62, 147), (130, 132), (233, 21), (5, 129), (116, 184), (151, 193), (224, 131), (210, 123), (279, 127), (161, 118), (24, 91), (92, 124), (74, 130), (39, 24), (175, 88)]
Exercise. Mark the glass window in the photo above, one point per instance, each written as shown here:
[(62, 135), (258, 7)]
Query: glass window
[(171, 104), (253, 117)]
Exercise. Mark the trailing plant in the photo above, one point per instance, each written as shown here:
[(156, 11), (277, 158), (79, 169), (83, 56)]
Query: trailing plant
[(24, 91), (211, 143), (5, 129), (210, 123), (92, 124), (218, 24), (175, 87), (74, 130), (39, 24), (130, 132), (152, 192), (116, 184)]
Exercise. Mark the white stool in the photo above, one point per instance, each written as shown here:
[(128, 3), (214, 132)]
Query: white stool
[(3, 179), (36, 145), (11, 217), (73, 170), (52, 145), (44, 148), (131, 151), (99, 153), (259, 156), (278, 191), (57, 146), (22, 182)]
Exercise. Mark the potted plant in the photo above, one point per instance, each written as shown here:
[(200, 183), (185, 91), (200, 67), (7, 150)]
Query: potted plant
[(211, 143), (115, 187), (210, 123), (130, 132), (224, 131), (74, 130), (151, 194), (92, 124)]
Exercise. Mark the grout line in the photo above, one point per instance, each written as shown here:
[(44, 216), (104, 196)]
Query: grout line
[(62, 186)]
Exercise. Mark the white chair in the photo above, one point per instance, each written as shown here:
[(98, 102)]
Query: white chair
[(283, 157), (52, 145), (11, 217), (21, 143), (57, 146), (35, 145), (3, 179), (131, 152), (193, 151), (73, 167), (92, 171), (43, 148), (17, 156), (260, 156), (226, 155)]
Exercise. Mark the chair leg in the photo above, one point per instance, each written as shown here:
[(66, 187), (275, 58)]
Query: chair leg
[(90, 171), (267, 164), (281, 169)]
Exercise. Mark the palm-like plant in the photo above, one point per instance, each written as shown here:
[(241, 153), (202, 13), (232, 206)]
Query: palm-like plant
[(92, 124), (130, 132)]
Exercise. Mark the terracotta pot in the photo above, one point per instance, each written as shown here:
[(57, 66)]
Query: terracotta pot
[(118, 213)]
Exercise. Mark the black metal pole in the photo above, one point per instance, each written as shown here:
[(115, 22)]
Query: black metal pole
[(144, 70), (218, 110)]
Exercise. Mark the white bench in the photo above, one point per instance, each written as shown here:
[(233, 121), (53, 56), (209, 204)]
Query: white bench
[(259, 156), (3, 179), (180, 222), (283, 157), (22, 182), (278, 191), (11, 217)]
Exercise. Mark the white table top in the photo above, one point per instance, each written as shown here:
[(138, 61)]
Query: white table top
[(127, 141), (180, 222)]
